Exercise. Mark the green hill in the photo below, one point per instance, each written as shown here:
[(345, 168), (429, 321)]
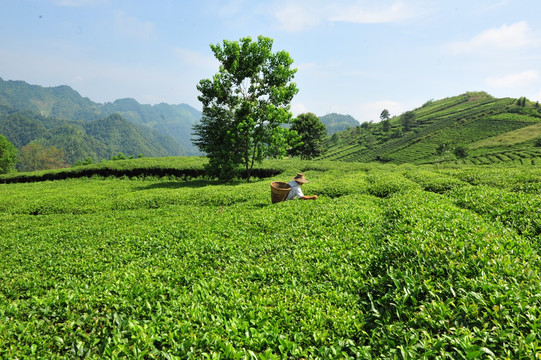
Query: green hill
[(338, 122), (120, 135), (172, 120), (57, 102), (62, 102), (476, 122)]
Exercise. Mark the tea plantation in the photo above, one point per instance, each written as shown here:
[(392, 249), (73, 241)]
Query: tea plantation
[(391, 262)]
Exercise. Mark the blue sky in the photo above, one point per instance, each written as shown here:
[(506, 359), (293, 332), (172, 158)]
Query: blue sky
[(353, 57)]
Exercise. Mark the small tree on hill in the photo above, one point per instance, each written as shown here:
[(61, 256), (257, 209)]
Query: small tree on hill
[(312, 132), (385, 115), (386, 123), (8, 155), (244, 105)]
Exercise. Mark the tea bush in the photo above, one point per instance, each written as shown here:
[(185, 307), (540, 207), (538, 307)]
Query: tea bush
[(390, 262)]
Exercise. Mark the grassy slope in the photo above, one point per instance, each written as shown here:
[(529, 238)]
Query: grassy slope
[(474, 120), (405, 261)]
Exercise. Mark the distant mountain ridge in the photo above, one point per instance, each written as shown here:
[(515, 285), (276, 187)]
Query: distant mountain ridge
[(63, 103)]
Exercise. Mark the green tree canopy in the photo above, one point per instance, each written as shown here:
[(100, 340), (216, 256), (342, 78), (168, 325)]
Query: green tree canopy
[(244, 105), (312, 132), (8, 155)]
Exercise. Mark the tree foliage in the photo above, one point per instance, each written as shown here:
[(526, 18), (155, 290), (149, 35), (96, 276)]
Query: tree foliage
[(21, 128), (8, 155), (312, 133), (408, 120), (385, 115), (35, 156), (244, 105), (386, 124)]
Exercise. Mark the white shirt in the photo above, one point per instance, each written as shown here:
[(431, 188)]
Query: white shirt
[(295, 191)]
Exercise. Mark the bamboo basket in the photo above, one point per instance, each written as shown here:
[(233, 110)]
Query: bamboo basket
[(279, 191)]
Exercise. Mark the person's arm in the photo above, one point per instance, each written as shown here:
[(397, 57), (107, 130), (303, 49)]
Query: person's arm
[(313, 197)]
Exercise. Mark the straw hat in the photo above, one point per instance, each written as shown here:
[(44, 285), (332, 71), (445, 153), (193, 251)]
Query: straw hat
[(300, 179)]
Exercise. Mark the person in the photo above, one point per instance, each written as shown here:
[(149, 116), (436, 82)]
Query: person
[(296, 191)]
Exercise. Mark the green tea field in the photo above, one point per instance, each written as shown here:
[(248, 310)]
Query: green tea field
[(391, 262)]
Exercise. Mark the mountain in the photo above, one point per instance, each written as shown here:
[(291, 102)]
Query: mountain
[(59, 102), (120, 135), (472, 128), (173, 120), (75, 142), (337, 122), (62, 102), (98, 139)]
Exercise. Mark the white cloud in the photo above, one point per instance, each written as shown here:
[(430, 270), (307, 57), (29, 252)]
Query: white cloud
[(361, 13), (506, 37), (131, 26), (298, 16), (514, 80), (497, 5), (305, 14)]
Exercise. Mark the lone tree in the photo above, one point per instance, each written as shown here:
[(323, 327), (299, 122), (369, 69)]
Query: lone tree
[(312, 132), (8, 155), (244, 105), (385, 115)]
